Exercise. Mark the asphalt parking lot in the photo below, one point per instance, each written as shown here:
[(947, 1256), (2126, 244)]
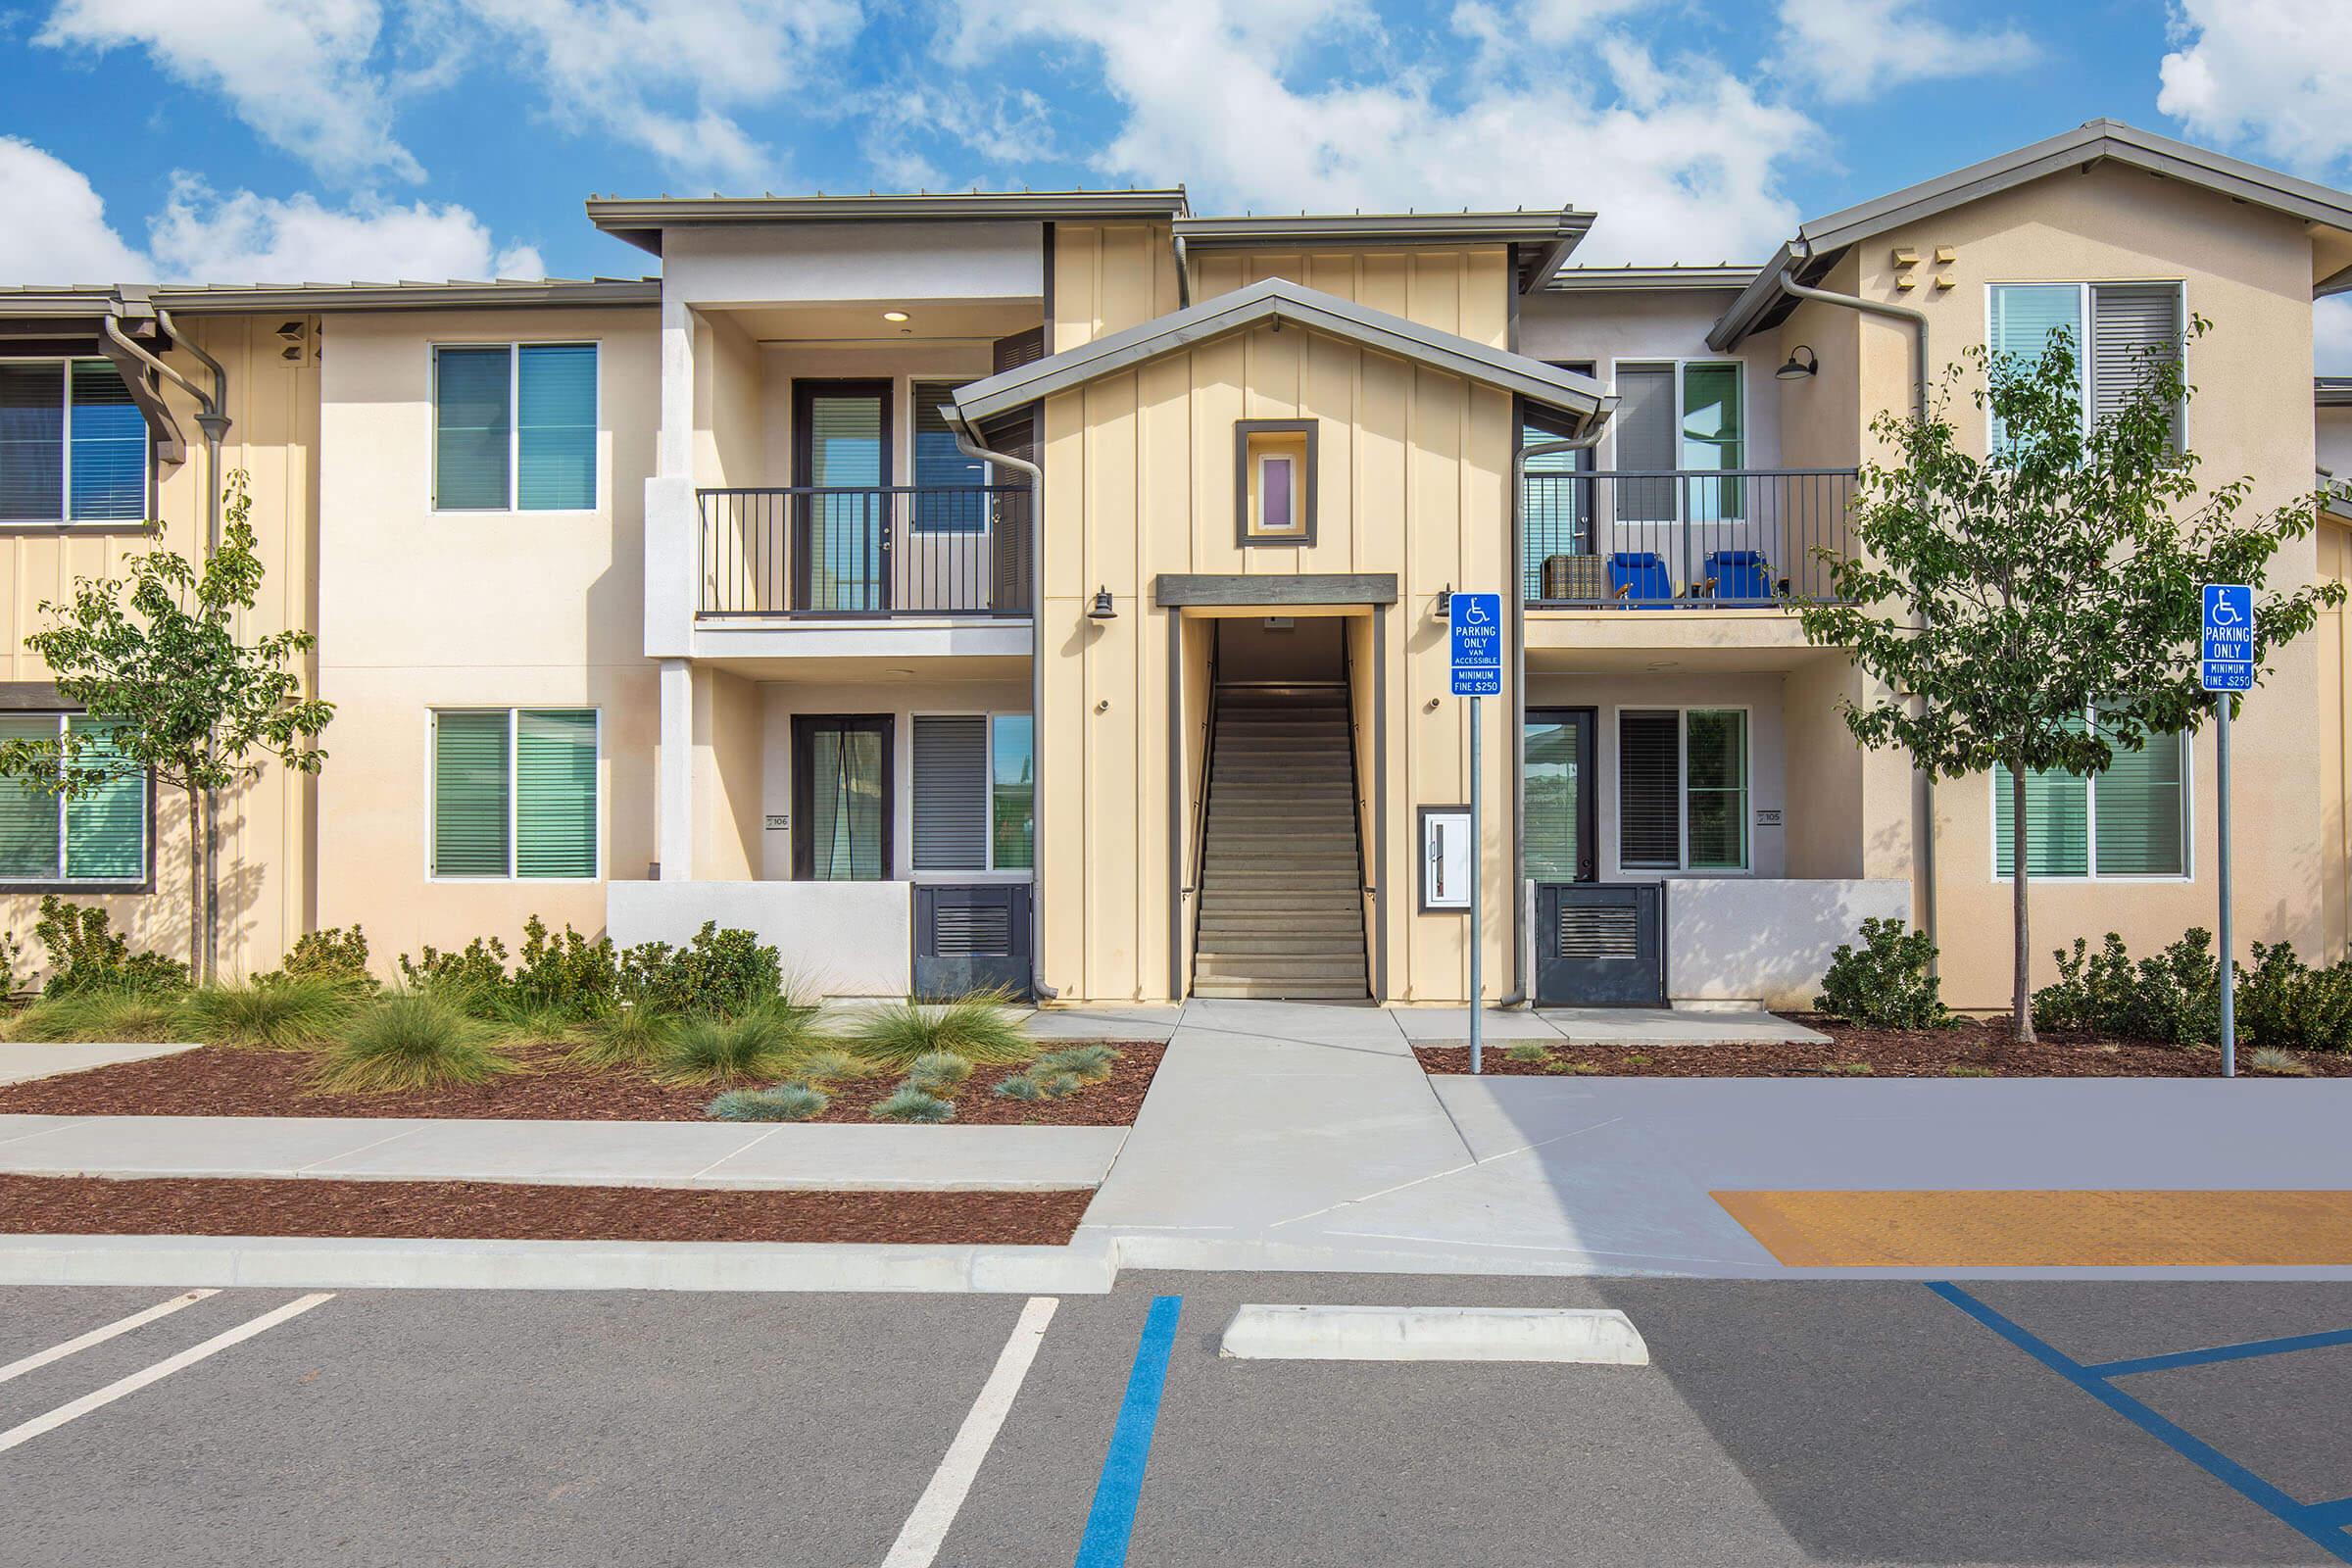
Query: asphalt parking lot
[(1780, 1422)]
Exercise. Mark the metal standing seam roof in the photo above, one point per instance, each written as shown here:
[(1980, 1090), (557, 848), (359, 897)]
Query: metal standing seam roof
[(640, 220), (1608, 279), (1279, 300), (2095, 141), (2331, 391), (193, 299)]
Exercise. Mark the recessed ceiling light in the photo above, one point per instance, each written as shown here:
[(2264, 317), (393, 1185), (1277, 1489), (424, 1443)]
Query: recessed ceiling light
[(894, 316)]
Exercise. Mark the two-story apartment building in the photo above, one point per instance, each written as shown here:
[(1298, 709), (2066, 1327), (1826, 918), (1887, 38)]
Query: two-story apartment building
[(1048, 588)]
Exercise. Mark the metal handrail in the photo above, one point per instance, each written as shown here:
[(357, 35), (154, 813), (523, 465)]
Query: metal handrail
[(1743, 538), (864, 552)]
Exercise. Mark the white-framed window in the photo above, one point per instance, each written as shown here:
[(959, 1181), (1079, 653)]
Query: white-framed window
[(2127, 823), (515, 426), (2114, 326), (974, 792), (73, 447), (1681, 415), (96, 838), (514, 793), (1683, 789)]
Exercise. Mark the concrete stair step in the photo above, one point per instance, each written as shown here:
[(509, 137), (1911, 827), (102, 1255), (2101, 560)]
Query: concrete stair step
[(1238, 991), (1329, 968), (1226, 946)]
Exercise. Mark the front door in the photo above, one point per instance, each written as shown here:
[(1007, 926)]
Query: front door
[(1560, 812), (842, 531), (841, 803)]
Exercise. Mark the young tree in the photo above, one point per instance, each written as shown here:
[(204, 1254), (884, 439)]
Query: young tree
[(2003, 599), (157, 661)]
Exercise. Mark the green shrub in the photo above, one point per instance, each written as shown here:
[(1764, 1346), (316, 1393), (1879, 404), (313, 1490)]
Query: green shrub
[(627, 1037), (85, 954), (279, 1013), (724, 972), (11, 959), (980, 1028), (102, 1013), (940, 1073), (2174, 997), (910, 1103), (1087, 1064), (471, 978), (334, 954), (1886, 984), (763, 1042), (567, 975), (411, 1040), (783, 1102), (1019, 1086), (2284, 1002)]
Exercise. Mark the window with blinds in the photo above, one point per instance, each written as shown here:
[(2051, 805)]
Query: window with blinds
[(1649, 791), (950, 792), (1683, 415), (2129, 821), (73, 447), (98, 834), (514, 427), (948, 496), (2115, 328), (1683, 790), (514, 793)]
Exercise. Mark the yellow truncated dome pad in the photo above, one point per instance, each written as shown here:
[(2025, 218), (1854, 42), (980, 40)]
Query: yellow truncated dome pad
[(2047, 1229)]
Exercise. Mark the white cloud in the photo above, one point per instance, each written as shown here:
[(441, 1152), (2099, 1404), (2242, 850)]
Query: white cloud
[(2331, 336), (1848, 51), (668, 75), (204, 236), (1680, 158), (296, 71), (2274, 73)]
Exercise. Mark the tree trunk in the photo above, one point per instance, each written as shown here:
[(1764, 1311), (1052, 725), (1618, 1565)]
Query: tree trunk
[(195, 884), (211, 887), (2021, 1023)]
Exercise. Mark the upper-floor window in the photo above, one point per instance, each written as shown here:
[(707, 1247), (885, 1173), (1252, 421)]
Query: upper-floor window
[(1274, 482), (514, 793), (514, 427), (97, 836), (2130, 820), (1683, 415), (72, 445), (948, 494), (2114, 328)]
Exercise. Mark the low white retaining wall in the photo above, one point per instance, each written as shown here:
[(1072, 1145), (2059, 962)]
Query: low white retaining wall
[(837, 939), (1769, 941)]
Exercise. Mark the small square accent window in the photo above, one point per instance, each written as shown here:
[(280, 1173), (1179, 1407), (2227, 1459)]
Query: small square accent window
[(1274, 488)]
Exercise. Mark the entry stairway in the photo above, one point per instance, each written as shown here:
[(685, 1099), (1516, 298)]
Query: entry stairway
[(1282, 911)]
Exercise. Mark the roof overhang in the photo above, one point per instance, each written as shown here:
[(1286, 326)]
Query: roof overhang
[(2331, 391), (1278, 300), (1820, 243), (1540, 242), (641, 222), (1649, 279)]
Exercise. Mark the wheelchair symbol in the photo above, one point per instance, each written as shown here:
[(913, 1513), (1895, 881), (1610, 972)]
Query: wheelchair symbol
[(2224, 611), (1474, 614)]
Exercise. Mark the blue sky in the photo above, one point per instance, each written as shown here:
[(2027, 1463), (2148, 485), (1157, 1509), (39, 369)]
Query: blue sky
[(241, 140)]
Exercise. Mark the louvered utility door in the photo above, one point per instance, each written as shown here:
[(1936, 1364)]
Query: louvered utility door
[(1601, 945)]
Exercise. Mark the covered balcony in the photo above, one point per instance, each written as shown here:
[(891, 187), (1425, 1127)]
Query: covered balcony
[(848, 553), (1683, 538)]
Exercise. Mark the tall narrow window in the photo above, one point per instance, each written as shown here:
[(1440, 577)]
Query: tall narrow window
[(1715, 801), (950, 792), (97, 835), (514, 793), (950, 495), (473, 428), (841, 788), (1274, 489), (843, 455), (1012, 793), (471, 781), (1649, 791), (1558, 747), (554, 424), (1712, 439), (109, 458), (554, 793)]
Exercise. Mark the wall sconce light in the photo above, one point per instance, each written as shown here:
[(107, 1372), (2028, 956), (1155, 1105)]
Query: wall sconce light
[(1802, 364), (1442, 609), (1103, 610)]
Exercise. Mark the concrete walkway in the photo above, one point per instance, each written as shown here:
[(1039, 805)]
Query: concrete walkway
[(1293, 1137), (570, 1153), (21, 1062)]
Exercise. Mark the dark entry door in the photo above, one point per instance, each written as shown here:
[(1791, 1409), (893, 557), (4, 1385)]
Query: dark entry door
[(840, 798), (1601, 945), (1560, 805), (842, 531)]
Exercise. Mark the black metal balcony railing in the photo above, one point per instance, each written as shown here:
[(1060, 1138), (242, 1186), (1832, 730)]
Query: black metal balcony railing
[(1742, 537), (900, 550)]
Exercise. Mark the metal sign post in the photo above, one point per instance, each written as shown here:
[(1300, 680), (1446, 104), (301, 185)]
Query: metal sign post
[(1474, 649), (2227, 666)]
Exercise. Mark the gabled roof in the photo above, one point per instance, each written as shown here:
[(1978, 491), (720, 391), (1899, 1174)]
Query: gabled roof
[(641, 220), (1278, 300), (1818, 244)]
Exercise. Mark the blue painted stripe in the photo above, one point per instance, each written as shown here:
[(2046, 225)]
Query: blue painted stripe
[(2220, 1353), (2311, 1521), (1113, 1518), (2337, 1513)]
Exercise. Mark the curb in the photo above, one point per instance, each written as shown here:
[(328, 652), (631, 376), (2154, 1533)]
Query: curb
[(1589, 1336), (1085, 1267)]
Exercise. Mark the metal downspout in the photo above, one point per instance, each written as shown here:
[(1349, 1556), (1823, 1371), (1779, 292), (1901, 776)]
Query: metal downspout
[(967, 441), (1184, 271), (1918, 319), (1518, 599)]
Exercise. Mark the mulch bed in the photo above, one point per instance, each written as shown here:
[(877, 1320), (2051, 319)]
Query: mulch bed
[(91, 1205), (214, 1081), (1978, 1047)]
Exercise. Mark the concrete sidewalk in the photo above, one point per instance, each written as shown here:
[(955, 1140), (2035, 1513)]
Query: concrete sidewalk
[(743, 1156), (1280, 1136)]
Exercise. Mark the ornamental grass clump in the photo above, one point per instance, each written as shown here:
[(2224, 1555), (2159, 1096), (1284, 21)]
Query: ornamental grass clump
[(627, 1037), (783, 1102), (1089, 1064), (982, 1027), (1019, 1086), (411, 1040), (103, 1013), (1529, 1051), (764, 1043), (2272, 1059), (940, 1073), (831, 1064), (910, 1103), (287, 1014)]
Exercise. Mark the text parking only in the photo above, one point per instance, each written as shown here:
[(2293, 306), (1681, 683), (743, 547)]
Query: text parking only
[(2227, 654)]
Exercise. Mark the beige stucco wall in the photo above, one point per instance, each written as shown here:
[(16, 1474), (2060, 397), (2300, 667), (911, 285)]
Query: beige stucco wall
[(265, 826), (424, 609), (2332, 655)]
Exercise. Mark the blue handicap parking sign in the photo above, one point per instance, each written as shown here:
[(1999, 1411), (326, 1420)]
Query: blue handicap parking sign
[(2225, 657), (1474, 644)]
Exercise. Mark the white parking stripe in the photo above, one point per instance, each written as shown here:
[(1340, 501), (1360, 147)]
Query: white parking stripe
[(935, 1510), (83, 1342), (26, 1431)]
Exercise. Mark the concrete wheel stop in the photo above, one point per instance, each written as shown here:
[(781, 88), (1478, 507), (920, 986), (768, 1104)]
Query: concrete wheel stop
[(1587, 1336)]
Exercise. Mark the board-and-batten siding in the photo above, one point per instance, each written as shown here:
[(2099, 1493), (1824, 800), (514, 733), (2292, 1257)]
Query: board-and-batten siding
[(2334, 650)]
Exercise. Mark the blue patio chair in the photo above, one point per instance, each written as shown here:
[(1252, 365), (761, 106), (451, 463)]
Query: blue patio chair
[(1741, 574), (1637, 578)]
